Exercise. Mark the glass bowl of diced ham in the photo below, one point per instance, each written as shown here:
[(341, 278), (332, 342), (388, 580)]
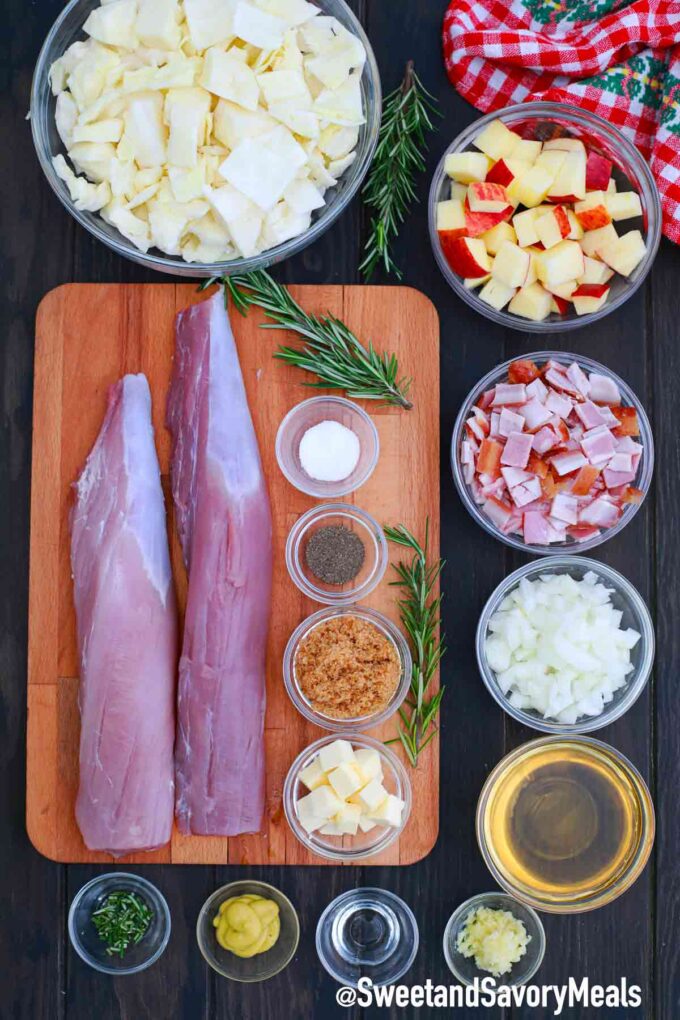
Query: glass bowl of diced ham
[(544, 217), (551, 452)]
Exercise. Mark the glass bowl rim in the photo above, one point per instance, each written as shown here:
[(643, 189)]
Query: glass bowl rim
[(222, 891), (177, 266), (357, 723), (144, 885), (480, 900), (646, 439), (390, 835), (626, 590), (298, 531), (616, 138), (642, 854), (343, 488)]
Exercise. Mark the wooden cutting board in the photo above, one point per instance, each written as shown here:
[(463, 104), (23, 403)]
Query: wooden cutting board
[(87, 336)]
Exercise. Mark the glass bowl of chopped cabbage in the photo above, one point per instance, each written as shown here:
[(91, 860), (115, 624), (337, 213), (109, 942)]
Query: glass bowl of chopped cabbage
[(565, 646), (493, 934), (203, 137), (552, 453)]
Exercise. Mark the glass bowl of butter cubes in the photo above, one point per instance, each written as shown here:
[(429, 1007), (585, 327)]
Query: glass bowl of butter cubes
[(544, 217), (204, 137), (347, 797)]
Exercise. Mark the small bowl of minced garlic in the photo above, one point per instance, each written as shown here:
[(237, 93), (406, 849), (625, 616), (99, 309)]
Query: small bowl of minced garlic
[(494, 935)]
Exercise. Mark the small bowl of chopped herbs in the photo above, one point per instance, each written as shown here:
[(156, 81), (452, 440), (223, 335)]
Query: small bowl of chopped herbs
[(119, 923)]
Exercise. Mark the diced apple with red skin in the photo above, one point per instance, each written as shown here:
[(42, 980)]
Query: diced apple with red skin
[(624, 206), (565, 144), (589, 297), (466, 167), (626, 253), (451, 218), (467, 256), (560, 264), (553, 226), (511, 265), (530, 189), (575, 228), (496, 294), (458, 191), (528, 150), (552, 161), (487, 198), (506, 170), (562, 290), (570, 183), (592, 213), (495, 237), (595, 271), (525, 227), (593, 241), (598, 172), (496, 140), (559, 305), (531, 302), (477, 223), (611, 187), (471, 283)]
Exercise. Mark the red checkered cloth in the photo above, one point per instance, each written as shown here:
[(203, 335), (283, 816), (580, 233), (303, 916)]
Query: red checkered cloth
[(618, 58)]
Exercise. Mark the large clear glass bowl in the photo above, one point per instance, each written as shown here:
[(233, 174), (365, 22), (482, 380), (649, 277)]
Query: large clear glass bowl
[(537, 120), (67, 29), (624, 597), (642, 482)]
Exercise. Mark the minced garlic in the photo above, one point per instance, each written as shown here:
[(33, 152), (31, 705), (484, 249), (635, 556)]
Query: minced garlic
[(496, 939)]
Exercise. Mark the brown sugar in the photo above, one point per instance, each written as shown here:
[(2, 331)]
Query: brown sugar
[(347, 668)]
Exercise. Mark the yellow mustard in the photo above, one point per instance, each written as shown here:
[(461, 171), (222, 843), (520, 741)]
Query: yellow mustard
[(247, 925)]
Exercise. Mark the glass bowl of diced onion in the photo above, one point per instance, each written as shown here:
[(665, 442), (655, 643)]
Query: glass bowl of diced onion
[(634, 617), (362, 844), (572, 543), (546, 121), (67, 29)]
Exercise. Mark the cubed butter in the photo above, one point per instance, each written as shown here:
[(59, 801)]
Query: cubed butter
[(345, 779), (371, 796), (389, 812), (334, 754), (313, 775), (366, 823), (369, 764), (347, 819), (321, 803)]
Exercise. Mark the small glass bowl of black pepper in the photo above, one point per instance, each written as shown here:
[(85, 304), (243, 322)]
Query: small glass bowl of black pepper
[(138, 911), (336, 554)]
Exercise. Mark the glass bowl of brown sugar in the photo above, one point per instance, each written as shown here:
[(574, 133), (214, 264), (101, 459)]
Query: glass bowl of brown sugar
[(347, 668)]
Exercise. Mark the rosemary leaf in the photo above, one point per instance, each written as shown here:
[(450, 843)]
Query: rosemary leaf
[(390, 188), (331, 352), (419, 612)]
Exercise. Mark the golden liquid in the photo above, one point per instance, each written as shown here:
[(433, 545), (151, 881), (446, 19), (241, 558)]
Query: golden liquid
[(567, 823)]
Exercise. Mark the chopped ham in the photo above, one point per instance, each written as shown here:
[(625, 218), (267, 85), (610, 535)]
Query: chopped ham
[(515, 476), (558, 404), (494, 425), (497, 512), (545, 439), (535, 414), (598, 445), (523, 371), (613, 479), (537, 390), (509, 393), (558, 378), (585, 480), (527, 492), (601, 512), (590, 414), (516, 450), (577, 376), (510, 422), (489, 458), (582, 533), (536, 529), (486, 399), (621, 462), (473, 428), (565, 508), (603, 390), (565, 463), (627, 421)]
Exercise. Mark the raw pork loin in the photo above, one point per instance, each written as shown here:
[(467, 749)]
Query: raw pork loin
[(224, 525), (127, 633)]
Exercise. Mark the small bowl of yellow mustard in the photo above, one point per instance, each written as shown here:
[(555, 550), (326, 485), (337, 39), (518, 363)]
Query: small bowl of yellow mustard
[(248, 931)]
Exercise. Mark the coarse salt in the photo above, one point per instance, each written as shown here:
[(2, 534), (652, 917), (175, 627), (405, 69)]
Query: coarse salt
[(329, 451)]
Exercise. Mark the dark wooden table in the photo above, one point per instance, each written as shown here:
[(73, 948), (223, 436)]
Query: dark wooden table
[(635, 937)]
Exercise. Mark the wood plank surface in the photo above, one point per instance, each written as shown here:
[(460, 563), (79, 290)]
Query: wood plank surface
[(87, 337), (635, 936)]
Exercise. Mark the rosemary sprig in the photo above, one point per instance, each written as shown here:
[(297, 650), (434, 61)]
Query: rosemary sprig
[(332, 351), (390, 189), (419, 611), (121, 920)]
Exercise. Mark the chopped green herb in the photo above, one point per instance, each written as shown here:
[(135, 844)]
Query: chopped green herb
[(122, 920)]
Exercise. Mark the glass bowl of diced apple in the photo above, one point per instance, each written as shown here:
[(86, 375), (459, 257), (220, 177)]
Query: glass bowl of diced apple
[(202, 137), (544, 217), (347, 797)]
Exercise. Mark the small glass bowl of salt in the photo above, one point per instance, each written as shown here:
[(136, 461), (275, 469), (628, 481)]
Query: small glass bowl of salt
[(327, 447)]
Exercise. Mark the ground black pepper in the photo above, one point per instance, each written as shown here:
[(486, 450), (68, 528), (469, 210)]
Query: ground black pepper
[(334, 554)]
